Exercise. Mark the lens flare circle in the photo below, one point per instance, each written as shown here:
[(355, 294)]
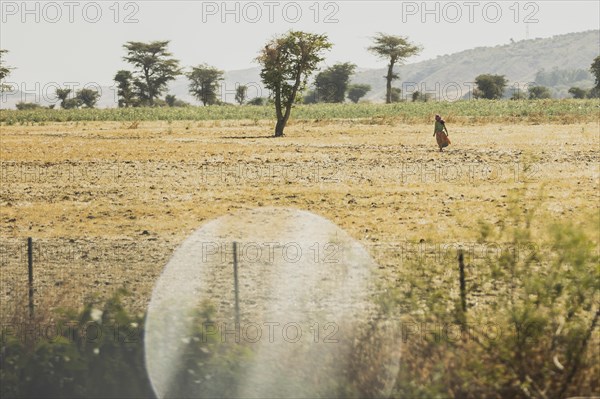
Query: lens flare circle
[(303, 322)]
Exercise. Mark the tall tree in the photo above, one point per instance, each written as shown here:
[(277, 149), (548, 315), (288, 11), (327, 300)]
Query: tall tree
[(358, 91), (240, 94), (489, 86), (332, 83), (154, 66), (4, 71), (204, 82), (395, 49), (125, 89), (287, 61)]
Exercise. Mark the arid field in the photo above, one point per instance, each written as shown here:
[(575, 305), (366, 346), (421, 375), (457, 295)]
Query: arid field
[(106, 203)]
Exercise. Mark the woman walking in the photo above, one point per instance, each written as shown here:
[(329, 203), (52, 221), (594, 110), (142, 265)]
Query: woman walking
[(441, 133)]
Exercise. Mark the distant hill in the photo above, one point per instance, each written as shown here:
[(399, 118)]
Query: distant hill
[(519, 61), (558, 62)]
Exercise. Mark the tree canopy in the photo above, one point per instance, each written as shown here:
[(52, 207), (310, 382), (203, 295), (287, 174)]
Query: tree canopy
[(287, 61), (204, 83), (490, 87), (395, 49), (332, 83), (83, 97), (125, 89), (357, 91), (154, 68)]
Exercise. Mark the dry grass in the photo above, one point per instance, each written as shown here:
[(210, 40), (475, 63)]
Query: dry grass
[(107, 203)]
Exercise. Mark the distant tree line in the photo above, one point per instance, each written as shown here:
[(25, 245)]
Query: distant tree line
[(493, 87), (286, 64), (561, 76), (333, 85)]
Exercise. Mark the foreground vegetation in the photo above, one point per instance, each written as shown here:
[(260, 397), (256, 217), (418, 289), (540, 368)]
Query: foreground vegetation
[(535, 339), (74, 354), (475, 111)]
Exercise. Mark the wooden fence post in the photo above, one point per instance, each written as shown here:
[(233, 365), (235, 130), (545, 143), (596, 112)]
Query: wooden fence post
[(235, 283), (30, 271), (463, 288)]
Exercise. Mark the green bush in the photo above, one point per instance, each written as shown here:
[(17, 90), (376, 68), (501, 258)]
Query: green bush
[(76, 356), (531, 325)]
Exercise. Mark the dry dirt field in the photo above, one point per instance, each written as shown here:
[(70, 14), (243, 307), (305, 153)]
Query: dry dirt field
[(107, 203)]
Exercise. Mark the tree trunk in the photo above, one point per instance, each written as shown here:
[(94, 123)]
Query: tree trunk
[(279, 126), (150, 94), (282, 120), (389, 78)]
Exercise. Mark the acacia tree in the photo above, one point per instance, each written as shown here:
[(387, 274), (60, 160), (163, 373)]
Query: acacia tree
[(204, 82), (83, 97), (395, 49), (287, 61), (154, 68), (357, 91), (332, 83)]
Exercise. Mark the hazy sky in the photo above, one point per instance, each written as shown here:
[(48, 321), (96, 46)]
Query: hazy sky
[(72, 41)]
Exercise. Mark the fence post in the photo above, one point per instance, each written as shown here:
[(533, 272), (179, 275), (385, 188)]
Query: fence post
[(30, 270), (235, 283), (463, 289)]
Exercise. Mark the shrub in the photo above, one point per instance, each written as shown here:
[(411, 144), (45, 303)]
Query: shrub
[(529, 328), (97, 352)]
